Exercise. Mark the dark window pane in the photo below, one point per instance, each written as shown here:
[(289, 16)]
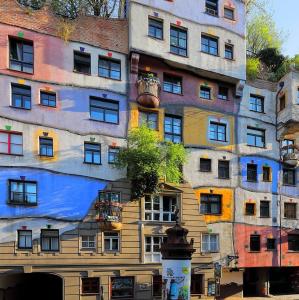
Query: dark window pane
[(21, 96), (255, 243), (109, 68), (82, 62), (155, 28), (104, 110), (178, 41)]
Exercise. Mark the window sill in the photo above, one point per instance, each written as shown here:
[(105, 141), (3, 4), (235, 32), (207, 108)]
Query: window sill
[(208, 99), (290, 185), (90, 294), (216, 55), (291, 219), (256, 146), (92, 164), (259, 112), (148, 222), (267, 181), (229, 59), (210, 171), (185, 56), (179, 94), (25, 249), (225, 178), (250, 251), (293, 251), (82, 73), (155, 38), (46, 156), (11, 154), (218, 141), (104, 121), (115, 79), (265, 217), (212, 15), (21, 72), (21, 204), (20, 107)]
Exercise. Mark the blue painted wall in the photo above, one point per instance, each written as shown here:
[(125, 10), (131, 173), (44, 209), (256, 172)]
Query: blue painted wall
[(60, 196)]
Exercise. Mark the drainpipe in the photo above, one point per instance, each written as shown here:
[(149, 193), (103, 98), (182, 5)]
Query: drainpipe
[(281, 86)]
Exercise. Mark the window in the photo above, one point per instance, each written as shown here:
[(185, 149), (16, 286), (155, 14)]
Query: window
[(172, 84), (21, 96), (210, 243), (22, 192), (160, 208), (249, 209), (255, 242), (282, 102), (212, 7), (111, 241), (209, 44), (24, 239), (149, 119), (290, 210), (82, 62), (229, 51), (210, 204), (109, 68), (90, 285), (92, 153), (256, 103), (46, 146), (197, 284), (265, 209), (152, 249), (222, 93), (252, 172), (21, 55), (205, 92), (289, 176), (256, 137), (229, 13), (11, 142), (48, 99), (217, 132), (271, 244), (266, 173), (157, 286), (104, 110), (223, 169), (205, 165), (122, 287), (173, 129), (88, 241), (287, 143), (50, 240), (155, 28), (293, 242), (178, 41), (112, 154)]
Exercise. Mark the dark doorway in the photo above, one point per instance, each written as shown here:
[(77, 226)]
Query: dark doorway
[(33, 286), (250, 282)]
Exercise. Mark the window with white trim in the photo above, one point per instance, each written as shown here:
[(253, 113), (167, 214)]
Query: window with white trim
[(210, 242), (88, 241), (111, 241), (49, 240), (160, 208), (152, 248), (25, 239)]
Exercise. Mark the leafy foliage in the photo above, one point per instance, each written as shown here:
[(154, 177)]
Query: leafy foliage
[(67, 8), (147, 160), (272, 58), (252, 67), (34, 4)]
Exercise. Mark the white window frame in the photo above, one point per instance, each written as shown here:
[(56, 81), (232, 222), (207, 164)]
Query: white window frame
[(111, 238), (160, 212), (152, 256), (25, 236), (210, 250), (88, 241)]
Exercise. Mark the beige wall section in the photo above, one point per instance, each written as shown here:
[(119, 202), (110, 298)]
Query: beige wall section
[(196, 58), (71, 262)]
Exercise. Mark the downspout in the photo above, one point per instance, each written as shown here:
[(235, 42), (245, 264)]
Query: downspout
[(281, 86)]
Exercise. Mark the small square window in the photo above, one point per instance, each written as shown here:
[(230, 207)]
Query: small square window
[(112, 154), (49, 240), (256, 137), (290, 211), (149, 119), (25, 239), (255, 243), (205, 165), (48, 99), (289, 176), (82, 62), (217, 132), (209, 44), (229, 13), (46, 146), (122, 287), (222, 93), (104, 110), (109, 68), (256, 103), (252, 172), (229, 51), (92, 153), (111, 241), (155, 28), (205, 92), (172, 84), (293, 242), (21, 96), (210, 204), (271, 244), (250, 209), (88, 241), (22, 192), (90, 285)]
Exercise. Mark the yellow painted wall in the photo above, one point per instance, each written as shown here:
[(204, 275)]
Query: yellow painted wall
[(227, 204), (196, 123)]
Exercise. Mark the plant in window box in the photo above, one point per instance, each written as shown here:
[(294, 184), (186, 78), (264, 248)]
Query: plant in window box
[(147, 159), (148, 87)]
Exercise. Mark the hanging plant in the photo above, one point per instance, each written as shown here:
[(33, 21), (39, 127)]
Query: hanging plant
[(148, 160)]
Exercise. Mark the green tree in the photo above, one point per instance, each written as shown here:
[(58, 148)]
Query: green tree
[(147, 160), (34, 4), (67, 8)]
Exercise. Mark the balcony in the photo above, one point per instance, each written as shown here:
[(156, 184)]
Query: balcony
[(290, 155), (109, 211), (148, 88)]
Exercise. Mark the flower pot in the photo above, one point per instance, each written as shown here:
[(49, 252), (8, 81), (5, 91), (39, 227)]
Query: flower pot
[(148, 92)]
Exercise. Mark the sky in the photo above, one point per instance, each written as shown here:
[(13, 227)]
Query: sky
[(285, 13)]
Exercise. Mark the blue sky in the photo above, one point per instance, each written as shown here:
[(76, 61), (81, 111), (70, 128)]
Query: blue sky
[(285, 13)]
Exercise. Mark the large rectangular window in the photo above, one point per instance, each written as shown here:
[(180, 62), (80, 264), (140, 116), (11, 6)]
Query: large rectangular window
[(122, 287), (46, 146), (11, 142), (160, 208), (88, 241), (223, 169), (49, 240), (256, 103), (252, 172), (82, 62), (222, 93), (155, 28), (172, 84), (25, 239), (109, 68), (22, 192), (173, 129), (256, 137), (293, 242), (205, 92), (149, 119), (157, 286), (205, 165), (21, 55), (111, 241), (90, 285), (290, 210), (209, 44), (210, 204), (104, 110), (152, 249), (212, 7), (217, 132), (21, 96), (178, 41), (92, 153), (289, 176), (265, 209), (249, 209), (271, 244), (255, 242), (197, 284), (210, 243)]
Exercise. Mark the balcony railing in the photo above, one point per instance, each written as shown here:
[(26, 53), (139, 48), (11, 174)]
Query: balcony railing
[(148, 91), (290, 155)]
